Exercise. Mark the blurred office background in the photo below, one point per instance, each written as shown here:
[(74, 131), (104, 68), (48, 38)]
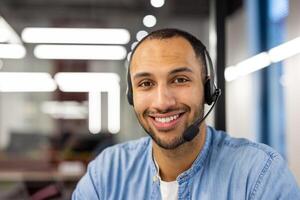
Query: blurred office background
[(62, 91)]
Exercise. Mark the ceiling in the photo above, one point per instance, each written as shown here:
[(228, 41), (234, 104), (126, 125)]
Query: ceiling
[(99, 13)]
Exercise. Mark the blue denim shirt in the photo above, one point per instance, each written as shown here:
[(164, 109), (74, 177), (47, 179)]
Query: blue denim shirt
[(226, 168)]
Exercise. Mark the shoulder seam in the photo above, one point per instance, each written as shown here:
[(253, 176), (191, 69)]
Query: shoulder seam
[(93, 182), (258, 146), (266, 167)]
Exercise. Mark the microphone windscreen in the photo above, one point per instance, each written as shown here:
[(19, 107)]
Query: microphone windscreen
[(191, 132)]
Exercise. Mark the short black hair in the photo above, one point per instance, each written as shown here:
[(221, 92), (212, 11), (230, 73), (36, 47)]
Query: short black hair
[(167, 33)]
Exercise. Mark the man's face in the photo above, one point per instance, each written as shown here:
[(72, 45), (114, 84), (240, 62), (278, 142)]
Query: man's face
[(167, 88)]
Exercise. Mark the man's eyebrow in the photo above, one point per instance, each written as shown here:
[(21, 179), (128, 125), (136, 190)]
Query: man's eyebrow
[(141, 74), (174, 71), (181, 69)]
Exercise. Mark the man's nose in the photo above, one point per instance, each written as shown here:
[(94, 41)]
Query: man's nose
[(163, 99)]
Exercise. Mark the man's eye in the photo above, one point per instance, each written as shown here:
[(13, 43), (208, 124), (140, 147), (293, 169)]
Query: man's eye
[(145, 84), (180, 80)]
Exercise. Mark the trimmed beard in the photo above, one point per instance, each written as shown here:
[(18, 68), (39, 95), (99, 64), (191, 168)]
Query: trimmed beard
[(177, 141)]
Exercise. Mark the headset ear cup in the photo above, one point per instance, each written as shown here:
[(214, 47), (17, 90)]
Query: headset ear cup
[(129, 93), (209, 92), (129, 89), (129, 96)]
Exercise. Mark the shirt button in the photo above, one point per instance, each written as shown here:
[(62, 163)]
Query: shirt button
[(155, 178)]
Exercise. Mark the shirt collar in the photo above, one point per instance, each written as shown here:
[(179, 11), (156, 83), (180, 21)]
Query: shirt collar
[(196, 166)]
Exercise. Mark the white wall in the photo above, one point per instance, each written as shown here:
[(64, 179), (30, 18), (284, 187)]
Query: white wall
[(292, 93), (239, 98)]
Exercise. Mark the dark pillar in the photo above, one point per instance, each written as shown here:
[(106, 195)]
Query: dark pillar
[(217, 48)]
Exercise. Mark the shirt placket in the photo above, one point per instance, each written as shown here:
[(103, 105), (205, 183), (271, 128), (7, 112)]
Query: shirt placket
[(155, 194), (183, 189)]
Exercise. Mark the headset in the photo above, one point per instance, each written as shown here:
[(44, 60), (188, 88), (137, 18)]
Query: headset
[(211, 93)]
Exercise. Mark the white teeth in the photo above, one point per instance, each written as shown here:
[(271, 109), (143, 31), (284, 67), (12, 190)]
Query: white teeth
[(166, 119)]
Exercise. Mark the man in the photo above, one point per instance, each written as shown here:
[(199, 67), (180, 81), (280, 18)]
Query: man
[(183, 158)]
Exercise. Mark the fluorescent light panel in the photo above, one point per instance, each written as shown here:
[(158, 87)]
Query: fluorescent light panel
[(95, 83), (80, 52), (263, 59), (247, 66), (76, 35), (94, 112), (7, 33), (26, 82), (114, 110), (65, 109), (12, 51), (4, 35), (285, 50), (86, 81)]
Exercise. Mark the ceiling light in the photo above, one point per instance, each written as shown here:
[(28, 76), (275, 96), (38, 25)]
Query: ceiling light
[(12, 51), (247, 66), (114, 110), (80, 52), (141, 34), (86, 81), (26, 82), (255, 63), (3, 35), (157, 3), (76, 35), (276, 54), (94, 112), (149, 21), (65, 109), (7, 33), (129, 56), (285, 50), (95, 83), (133, 45)]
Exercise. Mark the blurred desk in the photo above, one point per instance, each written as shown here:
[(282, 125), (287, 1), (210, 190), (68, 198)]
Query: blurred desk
[(17, 176), (20, 169)]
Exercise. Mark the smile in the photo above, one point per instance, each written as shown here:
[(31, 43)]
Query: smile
[(166, 119), (166, 122)]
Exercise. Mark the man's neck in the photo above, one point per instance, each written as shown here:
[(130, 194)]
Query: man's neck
[(174, 162)]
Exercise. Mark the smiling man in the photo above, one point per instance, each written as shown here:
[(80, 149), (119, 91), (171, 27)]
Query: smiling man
[(168, 85)]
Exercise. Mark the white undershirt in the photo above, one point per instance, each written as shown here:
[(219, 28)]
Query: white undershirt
[(168, 190)]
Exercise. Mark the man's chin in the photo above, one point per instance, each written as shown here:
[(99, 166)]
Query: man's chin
[(170, 143), (166, 140)]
